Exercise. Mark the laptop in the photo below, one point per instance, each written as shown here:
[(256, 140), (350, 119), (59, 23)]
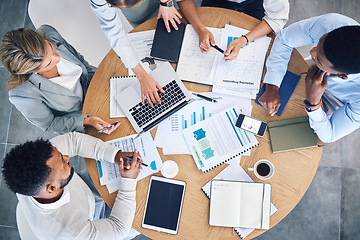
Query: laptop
[(143, 117)]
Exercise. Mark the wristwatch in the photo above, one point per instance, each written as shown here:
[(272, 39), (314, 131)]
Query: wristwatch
[(309, 105), (167, 4)]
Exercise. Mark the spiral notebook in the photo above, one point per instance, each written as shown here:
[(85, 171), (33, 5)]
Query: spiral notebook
[(234, 172), (117, 84), (216, 140)]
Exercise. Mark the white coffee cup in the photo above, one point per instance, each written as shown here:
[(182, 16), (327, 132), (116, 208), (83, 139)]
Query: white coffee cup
[(169, 169), (263, 169)]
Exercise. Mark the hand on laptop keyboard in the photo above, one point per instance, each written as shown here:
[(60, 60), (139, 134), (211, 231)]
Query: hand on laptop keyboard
[(149, 91)]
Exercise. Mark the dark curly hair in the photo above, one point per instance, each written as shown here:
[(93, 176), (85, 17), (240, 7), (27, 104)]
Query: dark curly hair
[(25, 170), (342, 49)]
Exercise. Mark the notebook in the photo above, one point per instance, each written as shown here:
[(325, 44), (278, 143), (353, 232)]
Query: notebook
[(216, 140), (143, 117), (234, 172), (286, 89), (240, 204), (166, 45), (117, 84), (291, 134)]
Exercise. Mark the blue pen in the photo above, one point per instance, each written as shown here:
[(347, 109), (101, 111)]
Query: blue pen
[(128, 160)]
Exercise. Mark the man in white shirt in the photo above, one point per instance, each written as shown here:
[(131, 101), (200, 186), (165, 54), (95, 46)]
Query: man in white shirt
[(56, 202)]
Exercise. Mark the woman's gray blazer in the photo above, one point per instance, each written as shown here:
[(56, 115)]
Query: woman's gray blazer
[(48, 105)]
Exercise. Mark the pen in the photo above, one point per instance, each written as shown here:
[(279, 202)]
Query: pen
[(205, 97), (217, 48), (103, 129), (128, 160)]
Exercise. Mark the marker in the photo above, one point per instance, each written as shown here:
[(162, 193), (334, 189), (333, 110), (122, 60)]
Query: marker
[(103, 129), (128, 160), (205, 97), (217, 48)]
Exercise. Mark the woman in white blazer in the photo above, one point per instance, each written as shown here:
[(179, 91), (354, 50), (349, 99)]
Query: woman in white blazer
[(48, 80)]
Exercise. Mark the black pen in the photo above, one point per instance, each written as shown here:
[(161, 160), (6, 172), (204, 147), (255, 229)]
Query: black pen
[(217, 48), (103, 129), (204, 97), (128, 160)]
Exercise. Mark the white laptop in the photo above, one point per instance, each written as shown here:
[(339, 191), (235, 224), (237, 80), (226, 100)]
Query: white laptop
[(143, 117)]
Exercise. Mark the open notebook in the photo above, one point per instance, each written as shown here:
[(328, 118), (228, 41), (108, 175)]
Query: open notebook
[(240, 204)]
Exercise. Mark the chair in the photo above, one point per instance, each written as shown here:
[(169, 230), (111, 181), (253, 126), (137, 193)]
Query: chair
[(77, 23), (23, 226)]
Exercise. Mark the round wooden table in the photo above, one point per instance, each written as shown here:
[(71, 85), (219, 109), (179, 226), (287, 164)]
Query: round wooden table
[(294, 170)]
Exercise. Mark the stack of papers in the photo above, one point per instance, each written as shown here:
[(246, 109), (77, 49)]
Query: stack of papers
[(242, 76), (169, 136), (109, 172)]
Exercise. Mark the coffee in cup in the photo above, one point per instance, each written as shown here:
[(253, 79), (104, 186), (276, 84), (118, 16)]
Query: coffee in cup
[(263, 169)]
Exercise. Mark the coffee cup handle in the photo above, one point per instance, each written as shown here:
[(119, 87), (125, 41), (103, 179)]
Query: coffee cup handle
[(250, 169)]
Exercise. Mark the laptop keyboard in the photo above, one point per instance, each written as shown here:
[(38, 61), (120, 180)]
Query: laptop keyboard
[(144, 113)]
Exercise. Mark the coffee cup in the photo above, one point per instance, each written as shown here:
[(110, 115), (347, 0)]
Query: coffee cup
[(169, 169), (263, 169)]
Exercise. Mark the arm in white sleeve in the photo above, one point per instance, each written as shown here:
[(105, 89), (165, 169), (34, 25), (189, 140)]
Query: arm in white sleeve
[(276, 13), (343, 121), (110, 23), (83, 145)]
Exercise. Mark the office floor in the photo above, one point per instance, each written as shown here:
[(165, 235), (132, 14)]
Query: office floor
[(330, 209)]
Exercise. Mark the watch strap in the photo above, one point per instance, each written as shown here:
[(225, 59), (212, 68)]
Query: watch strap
[(167, 4)]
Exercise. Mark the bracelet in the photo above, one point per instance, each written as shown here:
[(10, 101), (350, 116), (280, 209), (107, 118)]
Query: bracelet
[(247, 40), (168, 3)]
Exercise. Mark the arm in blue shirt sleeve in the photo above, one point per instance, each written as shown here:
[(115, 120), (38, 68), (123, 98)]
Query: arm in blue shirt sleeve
[(343, 121), (111, 25)]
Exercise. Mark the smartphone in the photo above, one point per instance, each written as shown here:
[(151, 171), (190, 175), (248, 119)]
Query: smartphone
[(251, 124)]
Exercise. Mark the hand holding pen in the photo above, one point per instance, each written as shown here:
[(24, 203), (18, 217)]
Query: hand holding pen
[(129, 170), (110, 128)]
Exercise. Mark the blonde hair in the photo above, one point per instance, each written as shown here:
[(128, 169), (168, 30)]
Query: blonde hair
[(22, 52)]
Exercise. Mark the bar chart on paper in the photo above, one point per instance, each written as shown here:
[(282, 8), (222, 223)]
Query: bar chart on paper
[(189, 119)]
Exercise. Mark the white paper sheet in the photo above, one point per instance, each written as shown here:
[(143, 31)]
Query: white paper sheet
[(109, 172), (173, 141), (242, 75), (194, 65)]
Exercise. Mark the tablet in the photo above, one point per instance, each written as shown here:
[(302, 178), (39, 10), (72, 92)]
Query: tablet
[(164, 204)]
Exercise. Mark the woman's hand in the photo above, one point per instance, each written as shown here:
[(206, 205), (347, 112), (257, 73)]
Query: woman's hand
[(99, 124)]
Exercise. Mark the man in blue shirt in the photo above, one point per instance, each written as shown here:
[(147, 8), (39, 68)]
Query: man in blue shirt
[(335, 76)]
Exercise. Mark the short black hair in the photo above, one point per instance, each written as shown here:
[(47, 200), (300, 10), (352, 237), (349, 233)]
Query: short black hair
[(25, 170), (342, 49)]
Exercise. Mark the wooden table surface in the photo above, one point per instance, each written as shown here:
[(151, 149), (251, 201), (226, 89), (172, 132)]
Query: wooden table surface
[(294, 170)]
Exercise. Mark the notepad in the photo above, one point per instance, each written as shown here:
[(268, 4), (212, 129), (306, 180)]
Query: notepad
[(166, 46), (286, 89), (240, 204), (291, 134)]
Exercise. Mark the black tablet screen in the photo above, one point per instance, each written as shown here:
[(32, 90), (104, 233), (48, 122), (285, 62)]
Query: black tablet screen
[(163, 205)]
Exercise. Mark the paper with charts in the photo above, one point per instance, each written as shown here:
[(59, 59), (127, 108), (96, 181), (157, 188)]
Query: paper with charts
[(217, 140), (241, 76), (194, 65), (169, 131), (109, 172)]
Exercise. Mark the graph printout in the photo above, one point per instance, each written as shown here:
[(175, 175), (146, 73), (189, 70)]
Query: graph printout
[(109, 172), (197, 111), (244, 73), (217, 140)]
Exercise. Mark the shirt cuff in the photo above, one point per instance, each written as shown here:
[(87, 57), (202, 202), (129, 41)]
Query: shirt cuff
[(316, 115), (274, 78), (128, 185)]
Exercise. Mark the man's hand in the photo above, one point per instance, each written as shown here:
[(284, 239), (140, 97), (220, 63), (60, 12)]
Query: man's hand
[(128, 170), (98, 124), (169, 14), (205, 39), (270, 99), (234, 47), (149, 87), (315, 84)]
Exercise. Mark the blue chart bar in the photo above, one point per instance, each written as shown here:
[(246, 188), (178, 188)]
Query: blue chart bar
[(182, 122), (203, 114), (194, 117), (185, 123)]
